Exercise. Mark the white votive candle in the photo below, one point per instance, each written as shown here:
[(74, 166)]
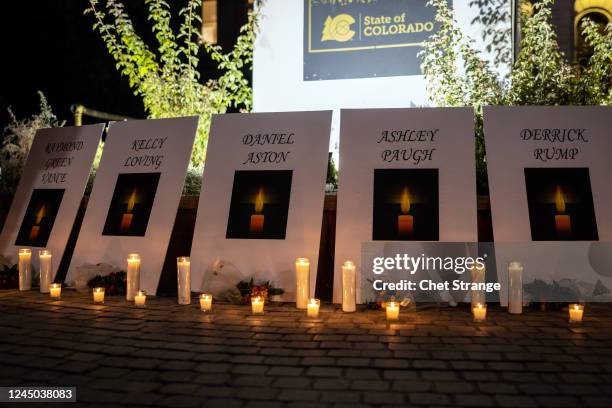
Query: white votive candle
[(133, 276), (183, 265), (302, 282), (313, 308), (25, 269), (46, 270), (348, 287), (140, 298), (98, 295), (393, 309), (206, 302), (55, 290), (257, 305), (480, 312), (576, 312)]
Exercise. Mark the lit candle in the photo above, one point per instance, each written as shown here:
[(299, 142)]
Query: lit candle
[(257, 305), (36, 228), (133, 276), (478, 276), (405, 222), (576, 312), (140, 298), (515, 288), (313, 308), (128, 217), (206, 302), (98, 295), (55, 290), (480, 312), (183, 265), (46, 270), (392, 309), (25, 269), (302, 282), (257, 219), (563, 223), (348, 287)]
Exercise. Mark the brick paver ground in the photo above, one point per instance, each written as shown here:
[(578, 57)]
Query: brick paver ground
[(177, 356)]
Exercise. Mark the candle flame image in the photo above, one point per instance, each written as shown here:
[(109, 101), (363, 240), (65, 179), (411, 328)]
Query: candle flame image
[(37, 220), (40, 214), (405, 201), (131, 201), (405, 222), (257, 219), (259, 200), (563, 223), (126, 220), (559, 200)]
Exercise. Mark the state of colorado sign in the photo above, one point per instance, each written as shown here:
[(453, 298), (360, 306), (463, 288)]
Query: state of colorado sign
[(348, 38)]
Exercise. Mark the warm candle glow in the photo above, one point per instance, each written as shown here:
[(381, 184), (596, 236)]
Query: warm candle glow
[(206, 302), (257, 219), (348, 287), (25, 269), (133, 276), (405, 222), (55, 290), (98, 295), (563, 223), (183, 265), (46, 270), (36, 228), (313, 308), (302, 282), (392, 310), (127, 218), (140, 298), (576, 312), (480, 312), (257, 305)]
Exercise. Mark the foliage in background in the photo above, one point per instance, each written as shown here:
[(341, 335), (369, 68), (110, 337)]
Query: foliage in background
[(17, 140), (167, 77), (457, 75)]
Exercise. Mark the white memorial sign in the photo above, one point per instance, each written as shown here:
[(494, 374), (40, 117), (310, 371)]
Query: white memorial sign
[(261, 205), (50, 191), (136, 195), (549, 180), (407, 175)]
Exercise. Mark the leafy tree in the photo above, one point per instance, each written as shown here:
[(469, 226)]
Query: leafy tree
[(166, 77), (457, 75)]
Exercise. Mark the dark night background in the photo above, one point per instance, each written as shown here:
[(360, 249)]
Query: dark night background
[(49, 45)]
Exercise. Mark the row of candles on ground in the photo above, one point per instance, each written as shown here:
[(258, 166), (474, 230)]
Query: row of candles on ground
[(303, 300)]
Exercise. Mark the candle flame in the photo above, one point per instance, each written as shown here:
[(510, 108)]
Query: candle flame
[(405, 201), (259, 200), (131, 201), (40, 214), (559, 200)]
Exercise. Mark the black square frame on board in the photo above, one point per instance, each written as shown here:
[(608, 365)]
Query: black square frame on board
[(560, 204), (259, 206), (406, 205), (131, 205), (39, 218)]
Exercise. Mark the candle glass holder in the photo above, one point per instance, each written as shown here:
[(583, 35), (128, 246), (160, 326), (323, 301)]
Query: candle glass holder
[(257, 305), (55, 290), (576, 313), (313, 307), (98, 295), (206, 302), (480, 312), (392, 310), (140, 298)]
